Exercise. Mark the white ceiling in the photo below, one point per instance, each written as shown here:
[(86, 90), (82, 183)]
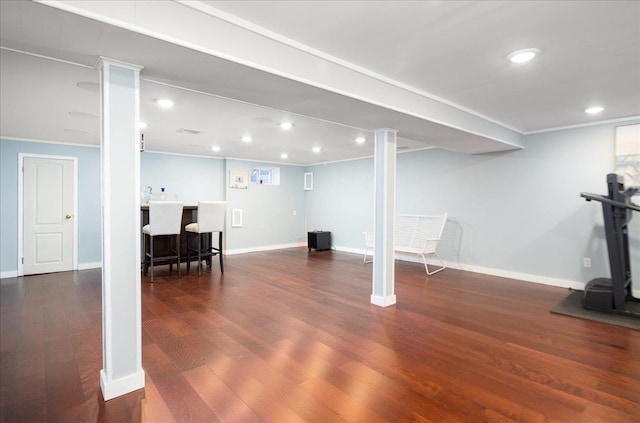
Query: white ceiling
[(456, 51)]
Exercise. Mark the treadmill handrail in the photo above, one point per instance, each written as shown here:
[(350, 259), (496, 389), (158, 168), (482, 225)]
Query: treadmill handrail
[(602, 199)]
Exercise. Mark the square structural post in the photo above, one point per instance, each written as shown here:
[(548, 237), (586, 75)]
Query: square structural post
[(384, 215), (121, 298)]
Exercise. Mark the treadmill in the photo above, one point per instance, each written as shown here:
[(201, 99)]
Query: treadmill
[(614, 295)]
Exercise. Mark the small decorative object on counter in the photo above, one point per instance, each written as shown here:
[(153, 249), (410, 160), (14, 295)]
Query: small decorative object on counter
[(147, 194)]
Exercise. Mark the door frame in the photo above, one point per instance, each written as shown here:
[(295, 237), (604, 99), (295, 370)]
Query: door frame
[(21, 157)]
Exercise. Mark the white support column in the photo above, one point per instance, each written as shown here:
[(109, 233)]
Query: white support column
[(121, 299), (385, 187)]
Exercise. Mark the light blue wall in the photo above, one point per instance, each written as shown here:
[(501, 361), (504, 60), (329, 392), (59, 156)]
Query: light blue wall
[(517, 212), (341, 201), (267, 210), (185, 178), (268, 218), (89, 198)]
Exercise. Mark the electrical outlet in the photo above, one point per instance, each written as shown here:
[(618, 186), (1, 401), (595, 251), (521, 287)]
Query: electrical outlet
[(586, 262), (295, 213)]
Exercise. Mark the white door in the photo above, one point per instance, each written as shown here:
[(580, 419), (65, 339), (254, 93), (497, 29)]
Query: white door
[(48, 196)]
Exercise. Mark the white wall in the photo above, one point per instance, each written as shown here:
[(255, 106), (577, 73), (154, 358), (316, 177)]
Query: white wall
[(516, 214)]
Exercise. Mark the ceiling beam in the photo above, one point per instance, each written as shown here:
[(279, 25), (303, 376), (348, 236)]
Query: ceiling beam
[(197, 26)]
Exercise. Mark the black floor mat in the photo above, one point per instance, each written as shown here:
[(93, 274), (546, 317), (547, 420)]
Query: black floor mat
[(572, 306)]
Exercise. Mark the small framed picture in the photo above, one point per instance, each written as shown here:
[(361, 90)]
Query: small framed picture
[(238, 179)]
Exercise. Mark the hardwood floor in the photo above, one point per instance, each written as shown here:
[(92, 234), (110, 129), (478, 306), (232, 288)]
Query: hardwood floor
[(290, 336)]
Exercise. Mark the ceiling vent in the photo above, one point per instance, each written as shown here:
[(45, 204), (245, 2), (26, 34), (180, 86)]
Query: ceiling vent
[(188, 131)]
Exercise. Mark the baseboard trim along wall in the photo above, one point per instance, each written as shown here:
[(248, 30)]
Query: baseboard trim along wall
[(264, 248), (81, 266), (349, 250), (94, 265), (526, 277)]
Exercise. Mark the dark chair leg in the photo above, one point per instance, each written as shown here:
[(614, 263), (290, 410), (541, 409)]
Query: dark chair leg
[(199, 255), (145, 266), (220, 251), (188, 252), (151, 252), (178, 253), (170, 261), (209, 244)]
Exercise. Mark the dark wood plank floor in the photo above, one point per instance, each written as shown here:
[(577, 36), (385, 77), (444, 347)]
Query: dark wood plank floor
[(290, 336)]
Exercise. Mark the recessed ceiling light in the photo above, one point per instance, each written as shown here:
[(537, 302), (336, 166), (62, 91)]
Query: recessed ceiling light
[(165, 103), (361, 140), (215, 148), (594, 110), (247, 138), (316, 149), (286, 125), (284, 155), (523, 56), (142, 125)]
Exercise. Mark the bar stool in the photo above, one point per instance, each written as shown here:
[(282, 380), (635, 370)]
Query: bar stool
[(165, 218), (210, 219)]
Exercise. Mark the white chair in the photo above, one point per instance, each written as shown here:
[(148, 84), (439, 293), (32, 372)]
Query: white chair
[(165, 218), (413, 234), (429, 228), (369, 238), (210, 219)]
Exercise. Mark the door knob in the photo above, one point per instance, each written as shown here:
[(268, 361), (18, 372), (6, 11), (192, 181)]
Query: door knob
[(68, 216)]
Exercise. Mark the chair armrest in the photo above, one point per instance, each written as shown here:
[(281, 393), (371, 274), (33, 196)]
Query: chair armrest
[(369, 238)]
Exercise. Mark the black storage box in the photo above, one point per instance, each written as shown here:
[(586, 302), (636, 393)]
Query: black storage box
[(319, 240)]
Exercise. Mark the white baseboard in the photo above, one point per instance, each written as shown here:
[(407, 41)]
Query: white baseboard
[(349, 250), (526, 277), (81, 266), (9, 274), (264, 248), (94, 265), (115, 388)]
